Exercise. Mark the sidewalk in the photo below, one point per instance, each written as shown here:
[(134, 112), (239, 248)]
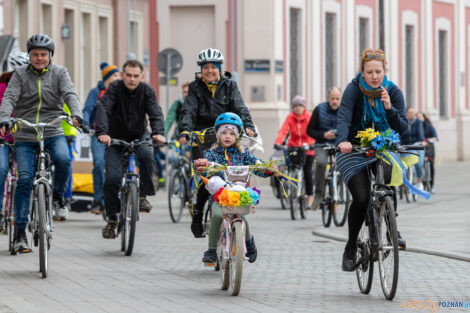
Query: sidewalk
[(440, 225)]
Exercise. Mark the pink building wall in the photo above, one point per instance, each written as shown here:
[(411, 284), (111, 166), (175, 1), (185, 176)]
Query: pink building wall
[(445, 10)]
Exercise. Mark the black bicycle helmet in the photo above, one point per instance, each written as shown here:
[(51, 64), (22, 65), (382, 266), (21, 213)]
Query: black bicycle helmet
[(40, 41)]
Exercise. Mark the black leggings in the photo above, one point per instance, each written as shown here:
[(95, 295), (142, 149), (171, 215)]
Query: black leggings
[(359, 186)]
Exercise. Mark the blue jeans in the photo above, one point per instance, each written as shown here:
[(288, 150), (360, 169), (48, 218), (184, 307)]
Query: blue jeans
[(159, 155), (69, 192), (97, 150), (25, 156), (420, 164), (4, 150)]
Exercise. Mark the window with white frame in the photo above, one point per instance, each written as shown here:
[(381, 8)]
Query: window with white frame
[(443, 67), (330, 51), (410, 46), (46, 19), (20, 22), (295, 53), (1, 17), (86, 71), (69, 44), (363, 34), (442, 77), (381, 24), (103, 36)]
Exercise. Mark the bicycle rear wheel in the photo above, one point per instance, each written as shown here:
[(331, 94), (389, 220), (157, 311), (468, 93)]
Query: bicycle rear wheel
[(237, 255), (43, 236), (293, 200), (388, 255), (341, 207), (365, 267), (130, 220), (176, 199), (427, 176)]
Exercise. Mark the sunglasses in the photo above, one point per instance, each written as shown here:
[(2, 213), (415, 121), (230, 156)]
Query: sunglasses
[(373, 55)]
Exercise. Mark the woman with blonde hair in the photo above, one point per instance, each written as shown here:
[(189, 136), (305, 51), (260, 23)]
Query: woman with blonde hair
[(370, 100)]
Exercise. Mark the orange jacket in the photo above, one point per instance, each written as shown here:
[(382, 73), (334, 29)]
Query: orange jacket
[(296, 127)]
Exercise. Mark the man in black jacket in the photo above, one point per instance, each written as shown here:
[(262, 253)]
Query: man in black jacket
[(210, 94), (121, 114), (322, 127)]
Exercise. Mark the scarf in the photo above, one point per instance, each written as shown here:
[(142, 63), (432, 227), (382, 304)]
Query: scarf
[(374, 110)]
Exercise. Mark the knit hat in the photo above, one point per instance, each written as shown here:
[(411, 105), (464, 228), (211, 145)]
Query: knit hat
[(217, 64), (223, 127), (108, 70), (298, 100)]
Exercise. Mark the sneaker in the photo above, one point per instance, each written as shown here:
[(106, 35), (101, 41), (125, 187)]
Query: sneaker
[(61, 211), (161, 183), (97, 208), (432, 190), (210, 256), (317, 201), (251, 251), (144, 205), (349, 258), (20, 243), (109, 231), (401, 242), (196, 225), (420, 186)]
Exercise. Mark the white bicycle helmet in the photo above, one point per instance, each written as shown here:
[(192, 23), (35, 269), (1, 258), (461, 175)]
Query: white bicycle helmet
[(17, 59), (210, 55)]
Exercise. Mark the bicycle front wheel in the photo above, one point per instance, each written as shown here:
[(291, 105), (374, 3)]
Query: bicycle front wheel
[(365, 267), (237, 255), (43, 236), (9, 217), (341, 207), (293, 200), (326, 205), (388, 255), (176, 199), (130, 222)]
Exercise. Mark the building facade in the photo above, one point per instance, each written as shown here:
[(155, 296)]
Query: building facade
[(280, 48), (85, 32)]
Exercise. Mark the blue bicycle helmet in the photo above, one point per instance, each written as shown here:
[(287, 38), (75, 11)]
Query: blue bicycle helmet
[(229, 118)]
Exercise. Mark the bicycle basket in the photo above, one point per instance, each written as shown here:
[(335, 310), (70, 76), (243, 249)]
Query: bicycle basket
[(244, 210), (296, 156)]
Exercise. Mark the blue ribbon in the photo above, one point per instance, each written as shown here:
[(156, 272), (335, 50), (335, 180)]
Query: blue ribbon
[(424, 194)]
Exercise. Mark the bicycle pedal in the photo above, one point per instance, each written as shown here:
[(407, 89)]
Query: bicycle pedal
[(25, 251), (209, 264)]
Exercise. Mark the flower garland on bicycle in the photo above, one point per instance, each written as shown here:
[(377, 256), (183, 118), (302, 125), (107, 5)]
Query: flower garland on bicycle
[(227, 151)]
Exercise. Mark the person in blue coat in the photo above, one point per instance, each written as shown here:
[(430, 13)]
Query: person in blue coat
[(109, 74)]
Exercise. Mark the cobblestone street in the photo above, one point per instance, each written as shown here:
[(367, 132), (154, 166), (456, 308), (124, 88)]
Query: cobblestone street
[(295, 271)]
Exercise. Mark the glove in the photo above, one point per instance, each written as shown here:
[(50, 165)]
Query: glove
[(78, 118), (183, 135), (277, 147)]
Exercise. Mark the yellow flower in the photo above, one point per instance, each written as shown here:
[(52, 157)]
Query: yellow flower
[(234, 198)]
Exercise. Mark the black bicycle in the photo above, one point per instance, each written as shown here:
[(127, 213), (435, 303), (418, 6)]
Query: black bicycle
[(129, 193), (180, 191), (378, 238), (336, 198), (295, 161)]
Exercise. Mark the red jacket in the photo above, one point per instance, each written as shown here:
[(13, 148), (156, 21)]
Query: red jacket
[(3, 87), (296, 127)]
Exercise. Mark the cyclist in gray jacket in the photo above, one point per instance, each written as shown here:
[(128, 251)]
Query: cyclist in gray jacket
[(36, 93)]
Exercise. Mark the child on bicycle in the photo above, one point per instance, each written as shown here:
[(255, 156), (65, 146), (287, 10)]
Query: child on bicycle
[(227, 151)]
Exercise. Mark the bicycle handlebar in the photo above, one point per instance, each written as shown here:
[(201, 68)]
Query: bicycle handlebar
[(135, 143)]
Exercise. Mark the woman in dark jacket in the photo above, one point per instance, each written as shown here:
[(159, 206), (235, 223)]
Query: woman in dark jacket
[(210, 94), (369, 101)]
